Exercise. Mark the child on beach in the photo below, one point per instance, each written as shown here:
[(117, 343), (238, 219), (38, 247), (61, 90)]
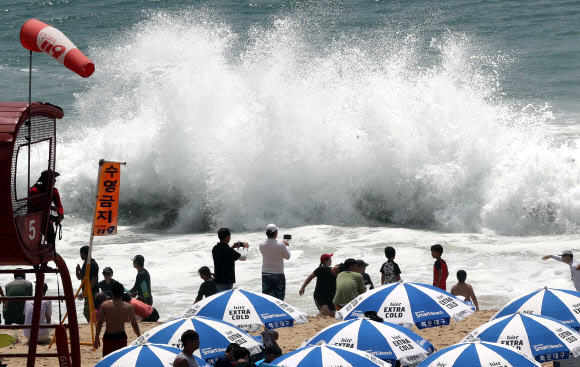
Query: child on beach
[(207, 288), (464, 290), (440, 271), (390, 271)]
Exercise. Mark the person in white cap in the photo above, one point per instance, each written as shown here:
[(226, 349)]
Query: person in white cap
[(567, 257), (273, 254)]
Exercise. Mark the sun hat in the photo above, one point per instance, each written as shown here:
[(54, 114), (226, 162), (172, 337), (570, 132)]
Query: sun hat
[(566, 252)]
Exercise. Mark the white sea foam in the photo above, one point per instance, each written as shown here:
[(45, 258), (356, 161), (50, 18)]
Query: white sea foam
[(499, 268), (285, 129)]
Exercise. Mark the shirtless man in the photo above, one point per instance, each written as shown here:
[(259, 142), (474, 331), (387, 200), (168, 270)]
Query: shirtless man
[(116, 312), (465, 290)]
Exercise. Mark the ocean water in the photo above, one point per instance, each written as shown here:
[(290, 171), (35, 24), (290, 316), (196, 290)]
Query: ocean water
[(352, 125)]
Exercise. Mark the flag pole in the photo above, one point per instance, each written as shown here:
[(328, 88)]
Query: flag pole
[(87, 279)]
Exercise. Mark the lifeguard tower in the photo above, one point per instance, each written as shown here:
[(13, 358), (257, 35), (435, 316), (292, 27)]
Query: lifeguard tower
[(28, 144)]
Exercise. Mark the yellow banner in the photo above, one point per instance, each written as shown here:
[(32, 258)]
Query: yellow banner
[(107, 208)]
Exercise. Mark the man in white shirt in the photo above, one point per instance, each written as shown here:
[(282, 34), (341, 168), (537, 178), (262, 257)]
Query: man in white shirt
[(567, 257), (45, 313), (273, 254)]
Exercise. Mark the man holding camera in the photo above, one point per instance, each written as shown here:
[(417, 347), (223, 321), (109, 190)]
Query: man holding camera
[(224, 260), (273, 254)]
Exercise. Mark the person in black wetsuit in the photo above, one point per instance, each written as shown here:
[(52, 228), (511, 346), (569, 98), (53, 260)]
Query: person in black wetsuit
[(207, 288), (142, 287)]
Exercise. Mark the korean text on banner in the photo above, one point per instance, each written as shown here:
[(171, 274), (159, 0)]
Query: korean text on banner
[(107, 208)]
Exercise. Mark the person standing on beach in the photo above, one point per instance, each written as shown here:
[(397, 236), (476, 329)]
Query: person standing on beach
[(567, 257), (349, 284), (325, 286), (93, 278), (273, 254), (190, 341), (115, 312), (464, 290), (224, 260), (142, 287), (207, 288), (390, 271), (440, 271)]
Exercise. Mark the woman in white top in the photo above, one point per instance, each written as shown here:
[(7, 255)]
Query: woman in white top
[(45, 314)]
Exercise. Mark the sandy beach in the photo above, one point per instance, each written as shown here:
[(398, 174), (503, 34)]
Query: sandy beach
[(289, 340)]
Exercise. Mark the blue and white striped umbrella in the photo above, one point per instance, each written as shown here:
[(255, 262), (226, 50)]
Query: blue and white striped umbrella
[(559, 304), (541, 337), (214, 336), (479, 354), (248, 310), (328, 355), (407, 304), (145, 355), (384, 340)]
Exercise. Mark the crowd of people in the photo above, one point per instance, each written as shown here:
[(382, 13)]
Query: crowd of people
[(336, 285), (115, 305)]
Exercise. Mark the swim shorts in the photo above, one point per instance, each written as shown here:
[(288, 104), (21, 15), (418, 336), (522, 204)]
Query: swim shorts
[(274, 285), (113, 342)]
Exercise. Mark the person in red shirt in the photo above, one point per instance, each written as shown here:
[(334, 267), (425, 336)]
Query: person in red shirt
[(41, 188), (143, 311), (440, 271)]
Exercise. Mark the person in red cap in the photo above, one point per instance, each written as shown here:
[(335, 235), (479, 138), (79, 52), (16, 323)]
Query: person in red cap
[(325, 285), (41, 189)]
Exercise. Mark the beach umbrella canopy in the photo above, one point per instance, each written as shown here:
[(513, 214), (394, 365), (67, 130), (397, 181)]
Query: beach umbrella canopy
[(383, 340), (559, 304), (541, 337), (406, 304), (214, 336), (479, 354), (328, 355), (248, 310), (145, 355)]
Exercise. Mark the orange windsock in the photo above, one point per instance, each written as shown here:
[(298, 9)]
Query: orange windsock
[(40, 37)]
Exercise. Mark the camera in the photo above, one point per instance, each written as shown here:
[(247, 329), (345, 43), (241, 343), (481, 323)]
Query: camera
[(288, 237), (238, 244)]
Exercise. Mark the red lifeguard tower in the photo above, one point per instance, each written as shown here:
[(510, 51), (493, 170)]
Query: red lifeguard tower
[(27, 144)]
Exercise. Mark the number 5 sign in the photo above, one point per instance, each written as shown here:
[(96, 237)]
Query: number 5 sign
[(30, 229)]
